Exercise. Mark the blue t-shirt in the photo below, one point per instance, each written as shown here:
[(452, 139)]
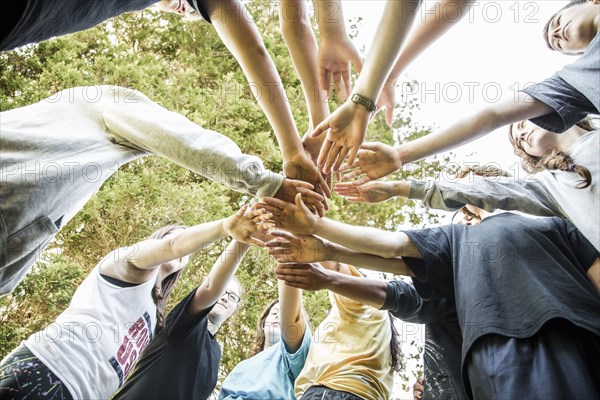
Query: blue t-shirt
[(573, 92), (269, 374)]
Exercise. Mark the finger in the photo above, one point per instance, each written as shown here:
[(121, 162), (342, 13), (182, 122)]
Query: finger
[(316, 207), (352, 155), (325, 79), (325, 149), (352, 174), (321, 128), (324, 187), (284, 235), (295, 285), (241, 211), (337, 81), (256, 242), (362, 180), (356, 199), (300, 204), (372, 146), (341, 158), (310, 194), (275, 202), (265, 226), (331, 159), (302, 184), (274, 211), (355, 164)]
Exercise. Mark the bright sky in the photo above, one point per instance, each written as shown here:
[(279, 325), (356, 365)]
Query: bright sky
[(490, 54)]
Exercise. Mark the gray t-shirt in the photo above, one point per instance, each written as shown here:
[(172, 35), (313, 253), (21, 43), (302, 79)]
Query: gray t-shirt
[(573, 92), (43, 19), (548, 193)]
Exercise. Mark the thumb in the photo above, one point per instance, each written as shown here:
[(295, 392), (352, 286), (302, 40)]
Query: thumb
[(300, 204), (321, 128), (373, 146)]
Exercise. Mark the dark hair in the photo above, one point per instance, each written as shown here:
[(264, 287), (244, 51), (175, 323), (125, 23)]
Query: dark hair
[(162, 289), (554, 158), (396, 347), (547, 25), (259, 342)]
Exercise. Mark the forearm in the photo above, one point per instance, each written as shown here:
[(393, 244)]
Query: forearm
[(394, 26), (330, 19), (242, 38), (426, 32), (292, 321), (302, 46), (468, 129), (366, 240), (219, 277), (367, 291), (396, 265)]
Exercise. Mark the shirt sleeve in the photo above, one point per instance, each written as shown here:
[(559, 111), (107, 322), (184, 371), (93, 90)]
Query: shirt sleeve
[(570, 106), (294, 362), (530, 197), (585, 252), (179, 325), (138, 122), (435, 246)]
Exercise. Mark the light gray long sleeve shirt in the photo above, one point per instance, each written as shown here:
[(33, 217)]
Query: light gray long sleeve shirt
[(548, 193), (55, 154)]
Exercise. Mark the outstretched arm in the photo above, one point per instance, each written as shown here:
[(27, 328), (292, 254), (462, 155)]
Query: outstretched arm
[(347, 126), (289, 248), (297, 218), (376, 160), (215, 284), (239, 33), (336, 51), (137, 263), (314, 277), (291, 318)]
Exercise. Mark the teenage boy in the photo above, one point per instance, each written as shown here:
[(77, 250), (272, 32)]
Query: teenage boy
[(525, 303)]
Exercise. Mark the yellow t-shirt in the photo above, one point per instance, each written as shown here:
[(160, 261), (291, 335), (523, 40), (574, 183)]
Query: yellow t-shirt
[(350, 351)]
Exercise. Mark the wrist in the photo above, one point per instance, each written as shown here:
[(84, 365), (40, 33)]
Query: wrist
[(363, 102), (399, 189)]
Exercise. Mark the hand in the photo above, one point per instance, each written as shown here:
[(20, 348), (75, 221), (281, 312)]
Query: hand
[(241, 224), (312, 146), (419, 388), (291, 187), (387, 100), (295, 218), (375, 160), (346, 127), (370, 192), (287, 248), (304, 276), (335, 58), (299, 166)]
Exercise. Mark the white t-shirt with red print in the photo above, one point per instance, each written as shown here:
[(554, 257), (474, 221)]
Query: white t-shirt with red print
[(93, 345)]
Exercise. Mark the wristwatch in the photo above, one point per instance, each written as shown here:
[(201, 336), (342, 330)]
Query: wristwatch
[(363, 101)]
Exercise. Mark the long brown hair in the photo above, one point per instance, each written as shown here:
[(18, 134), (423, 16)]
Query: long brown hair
[(259, 341), (554, 159), (162, 289), (396, 347)]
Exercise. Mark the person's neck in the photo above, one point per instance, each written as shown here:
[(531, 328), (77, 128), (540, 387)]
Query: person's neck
[(484, 214), (568, 138), (213, 327)]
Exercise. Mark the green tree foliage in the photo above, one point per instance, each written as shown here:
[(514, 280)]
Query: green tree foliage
[(184, 66)]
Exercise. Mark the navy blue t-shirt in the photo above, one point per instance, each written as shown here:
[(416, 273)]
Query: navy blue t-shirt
[(511, 274), (182, 362), (38, 20), (443, 339)]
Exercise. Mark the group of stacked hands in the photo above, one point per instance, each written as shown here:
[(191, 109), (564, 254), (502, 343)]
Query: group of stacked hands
[(510, 303)]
